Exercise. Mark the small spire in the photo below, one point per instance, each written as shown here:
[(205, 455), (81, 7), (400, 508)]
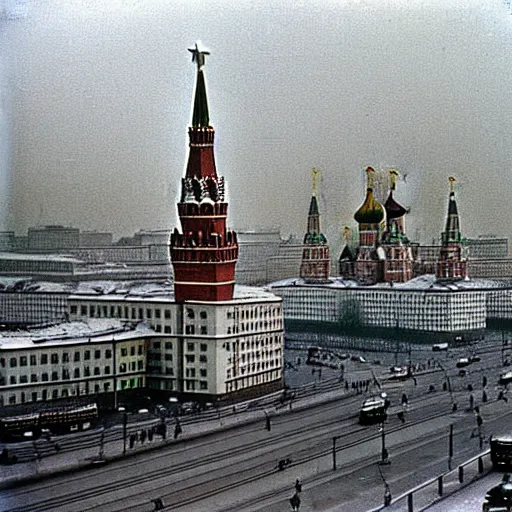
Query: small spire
[(370, 171), (452, 181), (316, 175), (200, 115), (393, 175), (198, 53)]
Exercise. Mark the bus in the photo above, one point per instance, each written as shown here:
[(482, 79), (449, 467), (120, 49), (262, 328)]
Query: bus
[(373, 411), (57, 421)]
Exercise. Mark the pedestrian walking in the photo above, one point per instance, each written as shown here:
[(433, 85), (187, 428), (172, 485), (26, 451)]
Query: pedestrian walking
[(471, 401), (298, 485), (295, 502), (405, 401), (387, 496)]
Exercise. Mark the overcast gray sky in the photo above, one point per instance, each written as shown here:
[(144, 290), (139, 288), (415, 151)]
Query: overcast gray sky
[(96, 94)]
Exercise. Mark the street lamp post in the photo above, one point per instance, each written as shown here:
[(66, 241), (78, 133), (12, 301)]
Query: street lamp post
[(384, 452)]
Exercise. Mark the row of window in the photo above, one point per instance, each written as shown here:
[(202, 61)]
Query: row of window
[(65, 374), (54, 358), (105, 311)]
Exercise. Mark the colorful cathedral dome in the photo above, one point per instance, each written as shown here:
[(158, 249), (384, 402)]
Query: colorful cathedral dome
[(371, 211), (394, 210)]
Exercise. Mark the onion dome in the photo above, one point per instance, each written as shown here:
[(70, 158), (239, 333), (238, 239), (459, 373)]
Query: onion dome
[(394, 210), (371, 211)]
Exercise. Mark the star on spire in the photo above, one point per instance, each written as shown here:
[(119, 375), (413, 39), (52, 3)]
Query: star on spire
[(198, 53)]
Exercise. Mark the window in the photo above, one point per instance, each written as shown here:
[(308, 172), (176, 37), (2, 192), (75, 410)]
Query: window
[(44, 377), (190, 329), (65, 374), (34, 396), (55, 358), (122, 367), (132, 366), (141, 349), (13, 362), (204, 329), (190, 358), (107, 369), (33, 377), (44, 358), (203, 384), (132, 350), (140, 365), (168, 357), (108, 354), (167, 314), (87, 371), (13, 379), (203, 359), (97, 354), (65, 357), (157, 345), (83, 310), (148, 313), (124, 352), (96, 370), (157, 313), (158, 328), (55, 394), (23, 361), (202, 372), (76, 357), (55, 376), (168, 345), (190, 347), (190, 372), (167, 329), (203, 347), (33, 360), (190, 313), (87, 355), (203, 315)]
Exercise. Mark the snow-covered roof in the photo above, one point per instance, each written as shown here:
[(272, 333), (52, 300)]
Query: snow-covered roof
[(420, 283), (95, 330), (39, 257)]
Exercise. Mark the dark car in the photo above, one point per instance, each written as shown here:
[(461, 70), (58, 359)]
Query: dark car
[(499, 497)]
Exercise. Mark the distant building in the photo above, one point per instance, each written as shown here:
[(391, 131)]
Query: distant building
[(95, 239), (7, 241), (255, 250), (487, 247), (53, 238)]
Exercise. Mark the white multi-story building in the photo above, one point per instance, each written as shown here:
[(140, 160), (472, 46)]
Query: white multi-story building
[(208, 349), (72, 360), (420, 305)]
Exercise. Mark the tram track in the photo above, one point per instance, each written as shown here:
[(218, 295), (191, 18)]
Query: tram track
[(300, 457)]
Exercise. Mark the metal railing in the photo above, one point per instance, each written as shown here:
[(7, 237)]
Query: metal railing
[(431, 491)]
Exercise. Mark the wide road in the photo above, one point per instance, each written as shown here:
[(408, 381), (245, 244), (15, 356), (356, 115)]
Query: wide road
[(236, 470)]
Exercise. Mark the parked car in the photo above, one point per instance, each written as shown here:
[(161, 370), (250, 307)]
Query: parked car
[(438, 347)]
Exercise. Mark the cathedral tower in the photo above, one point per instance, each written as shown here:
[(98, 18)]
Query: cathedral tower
[(451, 265), (204, 254), (399, 261), (315, 255), (369, 260)]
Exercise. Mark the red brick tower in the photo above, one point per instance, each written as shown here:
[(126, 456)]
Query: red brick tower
[(204, 254), (451, 265), (316, 261)]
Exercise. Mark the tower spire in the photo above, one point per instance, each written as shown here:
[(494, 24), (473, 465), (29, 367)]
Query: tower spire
[(204, 254), (200, 115)]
